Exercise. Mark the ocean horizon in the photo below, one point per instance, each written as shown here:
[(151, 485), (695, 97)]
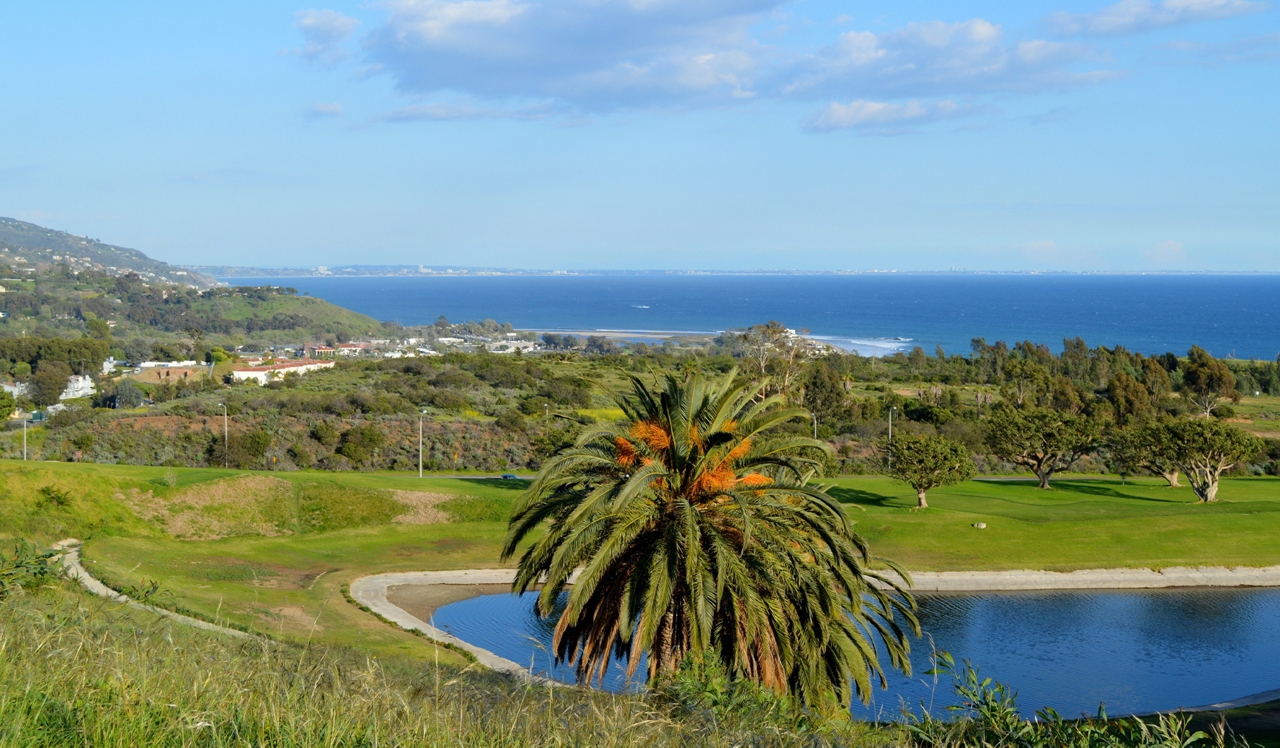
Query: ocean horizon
[(1230, 315)]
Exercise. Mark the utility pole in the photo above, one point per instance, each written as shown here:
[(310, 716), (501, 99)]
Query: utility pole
[(420, 417), (226, 454)]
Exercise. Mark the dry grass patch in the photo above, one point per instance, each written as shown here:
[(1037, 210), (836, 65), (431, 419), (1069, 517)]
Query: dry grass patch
[(243, 505), (422, 507)]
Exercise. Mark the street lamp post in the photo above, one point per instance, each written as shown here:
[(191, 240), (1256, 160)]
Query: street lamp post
[(226, 448), (815, 424), (24, 438), (891, 409), (420, 417)]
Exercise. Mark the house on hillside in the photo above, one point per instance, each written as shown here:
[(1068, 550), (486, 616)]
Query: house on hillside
[(267, 373), (78, 385)]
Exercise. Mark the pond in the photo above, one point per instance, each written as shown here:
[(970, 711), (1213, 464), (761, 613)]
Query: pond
[(1135, 651)]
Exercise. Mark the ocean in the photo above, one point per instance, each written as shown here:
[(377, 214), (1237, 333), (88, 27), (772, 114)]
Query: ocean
[(1228, 315)]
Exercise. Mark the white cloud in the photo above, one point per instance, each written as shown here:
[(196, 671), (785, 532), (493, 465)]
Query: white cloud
[(323, 111), (444, 111), (585, 53), (324, 32), (939, 59), (880, 116), (1257, 48), (586, 56), (1132, 16)]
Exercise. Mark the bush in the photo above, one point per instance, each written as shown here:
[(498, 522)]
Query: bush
[(359, 443), (510, 420), (301, 456), (325, 434), (25, 568), (243, 450), (988, 715)]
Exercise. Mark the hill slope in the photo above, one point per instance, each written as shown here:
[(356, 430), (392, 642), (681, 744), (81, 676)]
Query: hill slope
[(23, 243)]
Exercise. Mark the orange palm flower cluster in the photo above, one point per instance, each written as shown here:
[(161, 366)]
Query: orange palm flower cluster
[(651, 434)]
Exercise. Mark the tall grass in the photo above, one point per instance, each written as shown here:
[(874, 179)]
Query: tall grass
[(76, 670)]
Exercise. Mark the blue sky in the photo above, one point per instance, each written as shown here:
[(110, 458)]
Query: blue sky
[(684, 134)]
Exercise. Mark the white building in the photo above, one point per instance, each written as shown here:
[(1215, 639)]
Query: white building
[(17, 389), (264, 374), (78, 385)]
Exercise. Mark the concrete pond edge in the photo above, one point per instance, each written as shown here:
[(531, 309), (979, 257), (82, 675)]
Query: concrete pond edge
[(371, 591), (73, 569)]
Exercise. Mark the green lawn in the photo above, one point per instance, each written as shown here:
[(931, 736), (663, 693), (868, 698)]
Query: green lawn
[(1082, 523), (292, 583)]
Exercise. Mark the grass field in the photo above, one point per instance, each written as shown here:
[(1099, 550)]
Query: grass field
[(290, 580), (290, 583), (79, 671), (1082, 523)]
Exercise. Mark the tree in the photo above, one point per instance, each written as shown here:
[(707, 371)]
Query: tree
[(824, 393), (1205, 448), (697, 532), (1206, 380), (1144, 446), (128, 394), (776, 351), (926, 462), (7, 405), (1156, 379), (98, 329), (1041, 440), (1131, 399), (49, 382), (1024, 378)]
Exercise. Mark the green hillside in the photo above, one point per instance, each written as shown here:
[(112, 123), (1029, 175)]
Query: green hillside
[(37, 247)]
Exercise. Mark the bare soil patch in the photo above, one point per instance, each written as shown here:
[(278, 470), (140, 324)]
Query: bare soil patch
[(423, 600), (423, 507)]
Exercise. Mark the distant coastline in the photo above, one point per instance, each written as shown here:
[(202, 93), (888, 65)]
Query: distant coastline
[(229, 273)]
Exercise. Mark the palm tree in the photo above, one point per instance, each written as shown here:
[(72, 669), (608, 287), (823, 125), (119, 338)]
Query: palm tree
[(692, 528)]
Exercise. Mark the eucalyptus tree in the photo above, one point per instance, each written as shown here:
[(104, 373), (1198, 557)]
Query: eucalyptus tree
[(693, 528), (926, 462), (1206, 380)]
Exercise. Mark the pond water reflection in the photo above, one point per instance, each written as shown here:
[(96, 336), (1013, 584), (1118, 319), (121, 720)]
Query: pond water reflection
[(1134, 651)]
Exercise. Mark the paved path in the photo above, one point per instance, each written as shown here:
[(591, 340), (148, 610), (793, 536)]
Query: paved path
[(72, 567)]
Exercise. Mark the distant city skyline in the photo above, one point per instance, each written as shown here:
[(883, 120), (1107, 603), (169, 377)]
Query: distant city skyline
[(706, 135)]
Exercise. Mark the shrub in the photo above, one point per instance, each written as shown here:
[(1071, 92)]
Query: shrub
[(325, 434), (25, 568), (359, 443), (301, 456)]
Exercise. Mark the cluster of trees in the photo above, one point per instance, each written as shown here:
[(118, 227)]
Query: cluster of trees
[(1046, 441)]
